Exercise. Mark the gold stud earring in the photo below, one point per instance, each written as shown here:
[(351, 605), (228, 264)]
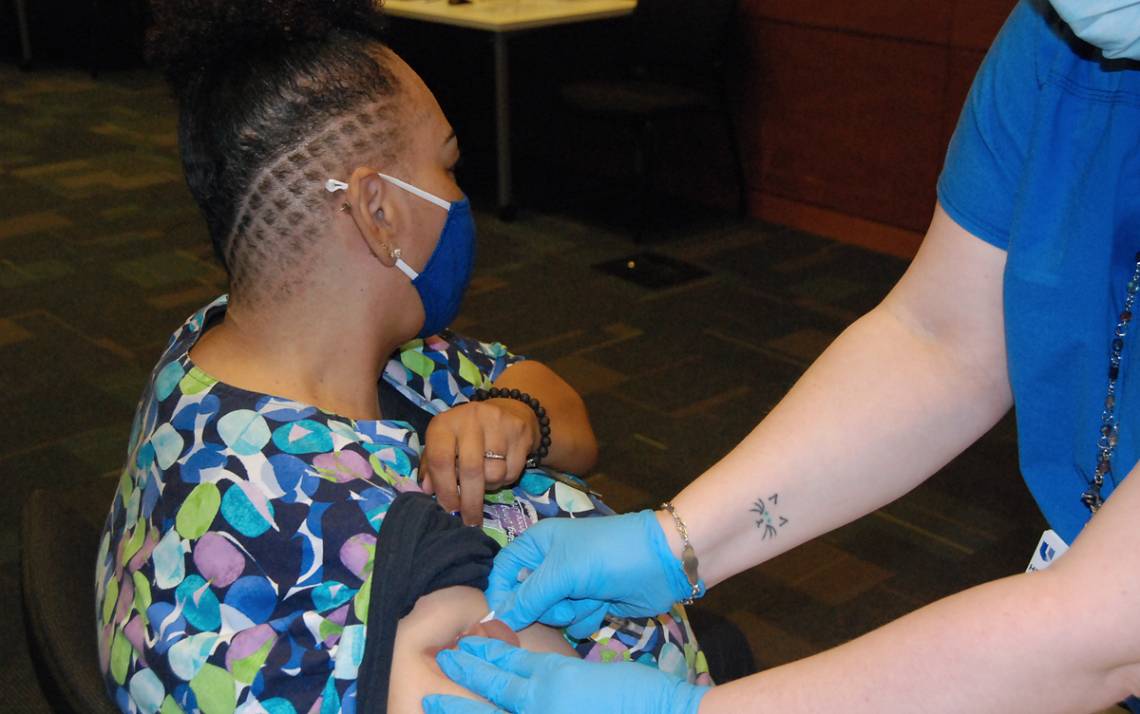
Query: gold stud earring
[(345, 207), (393, 253)]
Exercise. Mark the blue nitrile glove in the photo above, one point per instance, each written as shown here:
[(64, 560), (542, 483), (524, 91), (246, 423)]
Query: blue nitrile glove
[(580, 569), (520, 681)]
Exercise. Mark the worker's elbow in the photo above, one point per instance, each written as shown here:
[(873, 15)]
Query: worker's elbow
[(1124, 681)]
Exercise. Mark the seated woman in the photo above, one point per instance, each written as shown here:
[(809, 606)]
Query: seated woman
[(269, 547)]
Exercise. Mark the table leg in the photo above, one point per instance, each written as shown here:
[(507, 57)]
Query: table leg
[(503, 126), (25, 36)]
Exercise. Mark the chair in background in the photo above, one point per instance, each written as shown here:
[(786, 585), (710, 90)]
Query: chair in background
[(58, 582), (679, 61)]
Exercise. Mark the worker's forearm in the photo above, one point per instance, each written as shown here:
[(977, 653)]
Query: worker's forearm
[(1063, 640), (883, 408), (573, 446), (1006, 646)]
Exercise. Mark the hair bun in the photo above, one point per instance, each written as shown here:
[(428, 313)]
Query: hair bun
[(189, 38)]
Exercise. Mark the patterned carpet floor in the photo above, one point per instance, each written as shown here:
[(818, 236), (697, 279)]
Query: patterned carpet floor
[(102, 254)]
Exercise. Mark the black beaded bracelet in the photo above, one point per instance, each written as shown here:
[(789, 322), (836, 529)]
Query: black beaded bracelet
[(536, 458)]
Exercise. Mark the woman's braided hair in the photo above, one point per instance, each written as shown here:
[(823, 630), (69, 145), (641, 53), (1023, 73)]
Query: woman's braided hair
[(274, 97)]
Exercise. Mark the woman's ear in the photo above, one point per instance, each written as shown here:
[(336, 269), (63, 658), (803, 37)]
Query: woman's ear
[(372, 207)]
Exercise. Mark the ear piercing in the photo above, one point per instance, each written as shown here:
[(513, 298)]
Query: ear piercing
[(394, 254)]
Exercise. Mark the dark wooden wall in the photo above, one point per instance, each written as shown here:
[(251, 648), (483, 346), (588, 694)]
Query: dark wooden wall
[(844, 109), (847, 108)]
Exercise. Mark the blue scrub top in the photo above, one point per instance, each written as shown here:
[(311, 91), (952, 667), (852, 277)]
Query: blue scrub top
[(1045, 163)]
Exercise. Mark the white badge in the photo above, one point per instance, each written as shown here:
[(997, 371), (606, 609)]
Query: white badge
[(1049, 548)]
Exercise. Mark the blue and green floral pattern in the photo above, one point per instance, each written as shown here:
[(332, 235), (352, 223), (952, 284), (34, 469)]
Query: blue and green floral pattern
[(234, 569)]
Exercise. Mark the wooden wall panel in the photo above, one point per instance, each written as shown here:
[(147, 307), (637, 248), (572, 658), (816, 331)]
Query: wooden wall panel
[(846, 108), (975, 23), (850, 122), (890, 18)]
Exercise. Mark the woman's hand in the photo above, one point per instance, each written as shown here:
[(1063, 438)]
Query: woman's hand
[(520, 681), (455, 465)]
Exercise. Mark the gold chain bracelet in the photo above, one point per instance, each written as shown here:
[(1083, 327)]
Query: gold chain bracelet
[(688, 555)]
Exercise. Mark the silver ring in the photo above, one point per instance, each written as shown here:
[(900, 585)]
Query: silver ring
[(494, 456)]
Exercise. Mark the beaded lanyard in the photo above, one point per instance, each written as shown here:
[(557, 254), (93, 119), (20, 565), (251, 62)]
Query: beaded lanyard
[(1109, 426)]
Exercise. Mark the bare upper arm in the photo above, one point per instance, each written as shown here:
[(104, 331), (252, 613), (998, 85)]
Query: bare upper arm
[(436, 622), (952, 292)]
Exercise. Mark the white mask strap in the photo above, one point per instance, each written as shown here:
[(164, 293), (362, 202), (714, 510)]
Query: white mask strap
[(416, 191), (404, 267), (332, 186)]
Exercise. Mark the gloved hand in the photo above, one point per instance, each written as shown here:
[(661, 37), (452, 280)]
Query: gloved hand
[(580, 569), (519, 681)]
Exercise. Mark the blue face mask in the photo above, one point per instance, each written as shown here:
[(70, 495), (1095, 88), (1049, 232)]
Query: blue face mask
[(444, 279), (1111, 25)]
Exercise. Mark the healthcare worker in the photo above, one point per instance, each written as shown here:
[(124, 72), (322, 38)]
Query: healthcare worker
[(1023, 293)]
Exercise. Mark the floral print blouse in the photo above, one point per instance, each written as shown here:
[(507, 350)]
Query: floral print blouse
[(234, 568)]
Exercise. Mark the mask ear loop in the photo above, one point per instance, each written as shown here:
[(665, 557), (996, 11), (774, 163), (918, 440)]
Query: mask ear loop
[(332, 186), (417, 191)]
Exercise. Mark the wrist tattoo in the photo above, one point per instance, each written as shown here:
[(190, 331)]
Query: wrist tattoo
[(766, 518)]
